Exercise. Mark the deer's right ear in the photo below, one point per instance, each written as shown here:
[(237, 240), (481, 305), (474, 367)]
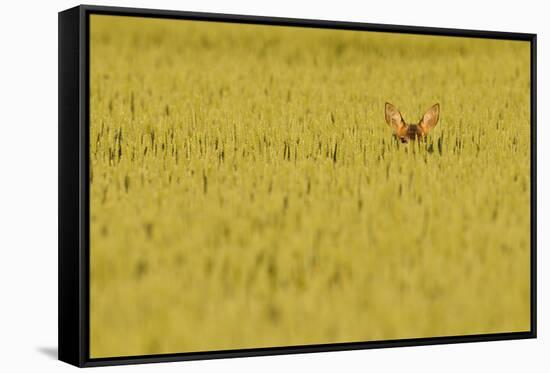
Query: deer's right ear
[(429, 120), (393, 117)]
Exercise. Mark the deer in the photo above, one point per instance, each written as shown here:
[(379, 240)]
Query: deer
[(410, 132)]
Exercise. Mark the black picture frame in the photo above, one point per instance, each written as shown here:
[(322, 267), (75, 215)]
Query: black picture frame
[(74, 174)]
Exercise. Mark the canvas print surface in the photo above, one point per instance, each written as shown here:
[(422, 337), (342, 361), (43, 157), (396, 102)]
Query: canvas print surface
[(265, 186)]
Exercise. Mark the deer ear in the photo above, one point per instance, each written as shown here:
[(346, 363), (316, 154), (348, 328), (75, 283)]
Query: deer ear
[(429, 120), (393, 117)]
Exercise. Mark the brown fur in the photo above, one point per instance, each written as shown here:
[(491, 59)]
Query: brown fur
[(407, 132)]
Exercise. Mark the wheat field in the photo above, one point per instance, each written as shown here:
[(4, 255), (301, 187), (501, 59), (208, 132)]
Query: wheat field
[(246, 191)]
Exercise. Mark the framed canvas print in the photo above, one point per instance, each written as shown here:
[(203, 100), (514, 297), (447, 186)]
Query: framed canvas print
[(238, 185)]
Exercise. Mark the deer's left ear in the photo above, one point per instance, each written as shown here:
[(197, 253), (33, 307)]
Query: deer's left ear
[(429, 120)]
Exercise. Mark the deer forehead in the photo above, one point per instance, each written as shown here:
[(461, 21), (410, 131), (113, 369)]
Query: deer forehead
[(413, 129), (408, 129)]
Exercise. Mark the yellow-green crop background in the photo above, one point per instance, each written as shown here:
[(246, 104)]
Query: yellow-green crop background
[(246, 191)]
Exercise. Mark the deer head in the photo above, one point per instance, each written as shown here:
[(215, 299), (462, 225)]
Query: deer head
[(406, 132)]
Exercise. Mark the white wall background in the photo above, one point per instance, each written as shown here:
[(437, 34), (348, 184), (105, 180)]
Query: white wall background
[(28, 184)]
